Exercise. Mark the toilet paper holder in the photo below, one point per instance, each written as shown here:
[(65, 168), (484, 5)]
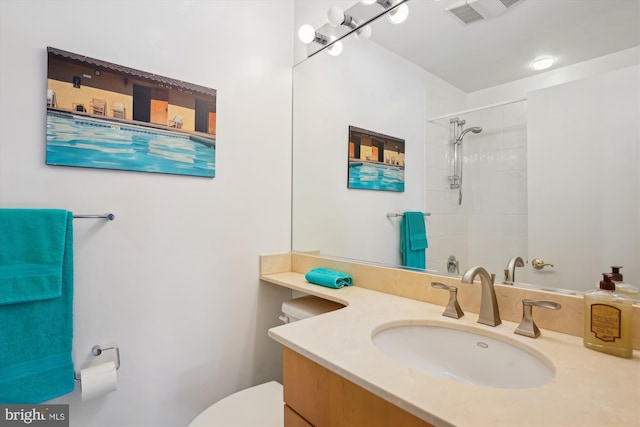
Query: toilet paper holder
[(96, 350)]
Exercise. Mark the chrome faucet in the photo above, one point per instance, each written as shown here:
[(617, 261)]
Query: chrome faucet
[(510, 271), (489, 313)]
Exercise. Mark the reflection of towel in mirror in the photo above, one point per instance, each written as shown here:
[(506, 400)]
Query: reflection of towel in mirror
[(328, 278), (413, 240), (36, 304)]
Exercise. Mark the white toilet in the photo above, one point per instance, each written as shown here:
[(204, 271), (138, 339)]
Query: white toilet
[(261, 405), (255, 406)]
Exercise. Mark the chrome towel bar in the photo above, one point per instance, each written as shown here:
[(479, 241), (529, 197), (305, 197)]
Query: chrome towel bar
[(393, 215), (108, 216)]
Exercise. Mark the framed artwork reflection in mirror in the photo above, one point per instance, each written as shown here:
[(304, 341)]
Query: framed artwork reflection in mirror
[(376, 161)]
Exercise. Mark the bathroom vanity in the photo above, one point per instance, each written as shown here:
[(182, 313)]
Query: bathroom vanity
[(315, 393), (335, 375)]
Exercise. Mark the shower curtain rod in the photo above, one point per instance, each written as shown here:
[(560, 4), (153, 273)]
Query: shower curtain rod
[(498, 104)]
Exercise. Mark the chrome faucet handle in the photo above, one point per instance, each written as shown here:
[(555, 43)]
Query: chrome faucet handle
[(453, 308), (527, 326)]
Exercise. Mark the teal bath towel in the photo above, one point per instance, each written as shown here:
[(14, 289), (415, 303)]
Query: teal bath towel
[(36, 305), (413, 240), (328, 278)]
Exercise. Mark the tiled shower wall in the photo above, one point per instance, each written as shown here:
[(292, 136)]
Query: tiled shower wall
[(490, 226)]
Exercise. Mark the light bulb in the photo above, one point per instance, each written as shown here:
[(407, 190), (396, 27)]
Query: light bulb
[(542, 63), (399, 14), (364, 32), (306, 34), (335, 16), (335, 49)]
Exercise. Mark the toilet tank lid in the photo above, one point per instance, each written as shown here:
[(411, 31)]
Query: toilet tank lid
[(308, 306)]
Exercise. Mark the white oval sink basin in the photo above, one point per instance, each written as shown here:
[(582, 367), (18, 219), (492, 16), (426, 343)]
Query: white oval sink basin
[(463, 356)]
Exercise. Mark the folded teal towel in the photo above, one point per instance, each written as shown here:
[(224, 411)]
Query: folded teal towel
[(30, 264), (36, 305), (413, 240), (328, 278), (417, 230)]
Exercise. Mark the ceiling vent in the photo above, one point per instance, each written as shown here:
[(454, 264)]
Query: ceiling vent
[(475, 10)]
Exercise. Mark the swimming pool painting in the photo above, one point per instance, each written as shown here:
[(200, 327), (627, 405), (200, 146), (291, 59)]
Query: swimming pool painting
[(94, 143), (376, 161), (376, 177), (109, 116)]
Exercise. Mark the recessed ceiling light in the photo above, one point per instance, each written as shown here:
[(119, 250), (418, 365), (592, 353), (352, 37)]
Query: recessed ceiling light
[(542, 63)]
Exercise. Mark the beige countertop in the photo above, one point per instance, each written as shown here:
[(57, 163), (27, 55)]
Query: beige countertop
[(589, 388)]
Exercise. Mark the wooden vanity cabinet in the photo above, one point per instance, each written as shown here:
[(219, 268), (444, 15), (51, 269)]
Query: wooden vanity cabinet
[(292, 419), (315, 396)]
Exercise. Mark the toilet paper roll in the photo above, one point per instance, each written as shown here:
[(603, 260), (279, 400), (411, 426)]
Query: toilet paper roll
[(98, 380)]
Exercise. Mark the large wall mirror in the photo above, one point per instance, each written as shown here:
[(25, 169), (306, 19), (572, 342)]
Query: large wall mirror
[(552, 175)]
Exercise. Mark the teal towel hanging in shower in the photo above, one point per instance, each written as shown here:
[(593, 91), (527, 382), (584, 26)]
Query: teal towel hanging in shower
[(413, 240)]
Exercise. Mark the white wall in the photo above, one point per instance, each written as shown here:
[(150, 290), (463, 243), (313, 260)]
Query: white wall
[(584, 205), (174, 279)]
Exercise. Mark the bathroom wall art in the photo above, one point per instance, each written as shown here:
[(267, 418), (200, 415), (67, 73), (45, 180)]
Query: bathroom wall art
[(376, 161), (108, 116)]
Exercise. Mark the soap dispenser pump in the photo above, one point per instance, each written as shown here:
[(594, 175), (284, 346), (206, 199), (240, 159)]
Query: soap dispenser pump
[(607, 319), (622, 287)]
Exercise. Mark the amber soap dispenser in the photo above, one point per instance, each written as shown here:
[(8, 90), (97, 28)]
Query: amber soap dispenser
[(607, 319)]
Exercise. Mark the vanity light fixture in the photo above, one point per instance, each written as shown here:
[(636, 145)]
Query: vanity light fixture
[(397, 15), (337, 17), (307, 34), (384, 3), (542, 63), (364, 32), (396, 11), (335, 49)]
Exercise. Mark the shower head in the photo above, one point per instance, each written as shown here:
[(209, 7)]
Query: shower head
[(474, 129)]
